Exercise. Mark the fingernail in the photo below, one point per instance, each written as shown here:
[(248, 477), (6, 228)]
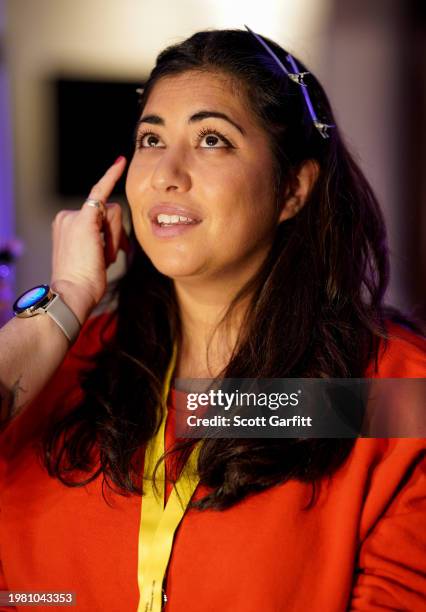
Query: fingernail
[(118, 160)]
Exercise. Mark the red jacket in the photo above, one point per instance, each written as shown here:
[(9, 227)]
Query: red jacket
[(362, 547)]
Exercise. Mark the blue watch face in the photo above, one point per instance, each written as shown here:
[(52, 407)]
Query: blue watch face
[(31, 298)]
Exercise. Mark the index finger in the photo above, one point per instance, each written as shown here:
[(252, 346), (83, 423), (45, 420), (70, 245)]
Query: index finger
[(103, 188)]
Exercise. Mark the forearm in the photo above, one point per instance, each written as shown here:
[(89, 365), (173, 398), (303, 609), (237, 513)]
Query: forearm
[(30, 352), (31, 349)]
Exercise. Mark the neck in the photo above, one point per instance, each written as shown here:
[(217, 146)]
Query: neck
[(206, 349)]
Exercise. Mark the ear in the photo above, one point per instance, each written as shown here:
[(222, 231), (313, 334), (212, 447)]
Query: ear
[(299, 190)]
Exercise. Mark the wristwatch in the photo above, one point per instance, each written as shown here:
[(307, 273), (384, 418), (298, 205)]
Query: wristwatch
[(42, 300)]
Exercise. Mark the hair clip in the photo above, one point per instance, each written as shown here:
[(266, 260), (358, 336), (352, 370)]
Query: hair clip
[(140, 90), (297, 77)]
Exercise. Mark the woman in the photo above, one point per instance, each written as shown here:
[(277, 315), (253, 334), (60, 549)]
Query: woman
[(258, 252)]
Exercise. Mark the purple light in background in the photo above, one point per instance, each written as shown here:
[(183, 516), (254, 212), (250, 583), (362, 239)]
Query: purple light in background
[(4, 271), (7, 204), (7, 216)]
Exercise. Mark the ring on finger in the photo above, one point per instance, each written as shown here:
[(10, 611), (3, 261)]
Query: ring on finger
[(96, 204)]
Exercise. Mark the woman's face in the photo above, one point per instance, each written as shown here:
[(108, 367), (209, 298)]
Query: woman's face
[(201, 154)]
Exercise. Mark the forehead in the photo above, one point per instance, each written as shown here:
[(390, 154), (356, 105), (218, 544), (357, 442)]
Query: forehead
[(191, 91)]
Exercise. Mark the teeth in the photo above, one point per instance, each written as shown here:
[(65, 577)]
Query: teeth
[(171, 219)]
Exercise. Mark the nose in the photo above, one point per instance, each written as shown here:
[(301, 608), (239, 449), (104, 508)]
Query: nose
[(170, 173)]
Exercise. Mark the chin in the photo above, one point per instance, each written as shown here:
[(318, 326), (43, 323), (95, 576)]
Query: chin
[(175, 267)]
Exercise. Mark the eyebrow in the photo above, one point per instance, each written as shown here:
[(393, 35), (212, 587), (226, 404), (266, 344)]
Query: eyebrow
[(200, 116)]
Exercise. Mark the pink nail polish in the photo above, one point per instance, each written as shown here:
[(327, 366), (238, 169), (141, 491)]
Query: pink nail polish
[(118, 160)]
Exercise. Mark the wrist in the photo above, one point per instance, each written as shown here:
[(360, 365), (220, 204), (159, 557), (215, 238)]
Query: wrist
[(42, 300), (76, 298)]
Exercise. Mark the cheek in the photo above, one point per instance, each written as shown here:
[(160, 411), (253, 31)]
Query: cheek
[(223, 185), (243, 200)]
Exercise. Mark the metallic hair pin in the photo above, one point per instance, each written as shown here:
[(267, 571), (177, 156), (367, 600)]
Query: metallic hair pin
[(297, 77), (140, 90)]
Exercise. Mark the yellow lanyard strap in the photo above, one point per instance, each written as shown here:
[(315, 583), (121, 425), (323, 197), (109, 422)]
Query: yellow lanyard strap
[(158, 524)]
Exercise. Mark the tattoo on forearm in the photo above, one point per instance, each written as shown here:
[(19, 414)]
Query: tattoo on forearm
[(9, 402)]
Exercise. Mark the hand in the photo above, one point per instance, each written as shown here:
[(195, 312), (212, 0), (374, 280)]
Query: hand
[(81, 254)]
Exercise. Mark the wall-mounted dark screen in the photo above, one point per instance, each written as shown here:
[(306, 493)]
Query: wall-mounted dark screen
[(95, 122)]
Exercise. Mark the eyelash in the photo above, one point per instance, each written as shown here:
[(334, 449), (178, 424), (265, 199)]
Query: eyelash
[(200, 135)]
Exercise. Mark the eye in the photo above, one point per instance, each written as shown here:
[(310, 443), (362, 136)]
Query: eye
[(148, 140), (213, 139)]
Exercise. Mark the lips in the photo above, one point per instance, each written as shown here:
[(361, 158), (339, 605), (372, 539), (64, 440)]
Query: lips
[(167, 208)]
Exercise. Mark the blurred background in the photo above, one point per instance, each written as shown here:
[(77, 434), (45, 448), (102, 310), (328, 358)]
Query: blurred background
[(68, 74)]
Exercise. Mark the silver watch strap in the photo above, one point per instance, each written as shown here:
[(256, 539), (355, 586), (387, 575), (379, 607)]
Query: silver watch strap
[(64, 317)]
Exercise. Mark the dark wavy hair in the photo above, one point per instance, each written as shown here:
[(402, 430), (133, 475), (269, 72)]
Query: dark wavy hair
[(315, 305)]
